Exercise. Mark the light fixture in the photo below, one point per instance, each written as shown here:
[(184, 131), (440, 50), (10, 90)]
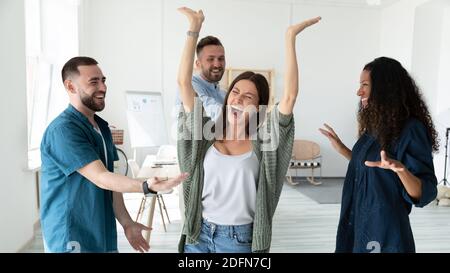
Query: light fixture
[(443, 119), (443, 188)]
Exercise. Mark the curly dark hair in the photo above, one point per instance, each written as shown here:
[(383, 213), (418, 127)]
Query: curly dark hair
[(394, 99)]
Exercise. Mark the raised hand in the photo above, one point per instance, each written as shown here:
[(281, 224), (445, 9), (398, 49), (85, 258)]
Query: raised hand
[(336, 141), (160, 185), (196, 18), (291, 81), (133, 232), (185, 70), (297, 28), (332, 137), (386, 163)]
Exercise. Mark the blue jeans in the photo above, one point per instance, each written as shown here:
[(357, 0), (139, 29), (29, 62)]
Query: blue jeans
[(222, 239)]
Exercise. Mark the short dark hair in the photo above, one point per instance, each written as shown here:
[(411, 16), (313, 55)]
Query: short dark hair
[(71, 67), (206, 41)]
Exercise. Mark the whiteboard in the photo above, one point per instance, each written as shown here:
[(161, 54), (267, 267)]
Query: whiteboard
[(145, 116)]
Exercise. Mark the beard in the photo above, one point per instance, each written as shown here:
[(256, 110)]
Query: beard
[(213, 77), (91, 102)]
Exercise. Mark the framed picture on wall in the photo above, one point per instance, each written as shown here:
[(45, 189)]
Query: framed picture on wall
[(231, 73)]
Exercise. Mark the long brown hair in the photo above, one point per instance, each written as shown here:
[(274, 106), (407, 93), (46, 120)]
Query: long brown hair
[(262, 87)]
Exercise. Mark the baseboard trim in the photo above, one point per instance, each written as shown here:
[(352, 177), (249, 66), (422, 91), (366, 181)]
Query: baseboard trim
[(36, 226), (29, 242)]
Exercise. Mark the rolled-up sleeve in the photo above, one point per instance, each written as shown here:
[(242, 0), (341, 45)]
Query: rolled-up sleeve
[(415, 152)]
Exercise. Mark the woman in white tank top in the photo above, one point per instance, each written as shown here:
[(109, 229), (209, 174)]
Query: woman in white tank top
[(225, 191)]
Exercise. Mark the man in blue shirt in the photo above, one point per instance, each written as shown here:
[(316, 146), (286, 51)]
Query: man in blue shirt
[(80, 194), (211, 61)]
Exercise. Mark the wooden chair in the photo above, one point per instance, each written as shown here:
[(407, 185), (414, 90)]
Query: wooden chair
[(305, 155)]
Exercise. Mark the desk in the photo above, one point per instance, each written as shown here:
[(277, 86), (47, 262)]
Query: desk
[(160, 171)]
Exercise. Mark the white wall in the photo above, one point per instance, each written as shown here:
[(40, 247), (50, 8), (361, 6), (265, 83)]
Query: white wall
[(331, 58), (252, 35), (417, 33), (443, 93), (139, 45), (430, 64), (125, 38), (427, 48), (397, 30), (442, 109), (18, 190)]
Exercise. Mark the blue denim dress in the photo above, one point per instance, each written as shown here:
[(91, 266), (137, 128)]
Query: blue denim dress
[(375, 205)]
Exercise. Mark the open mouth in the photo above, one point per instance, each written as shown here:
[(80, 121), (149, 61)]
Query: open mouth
[(216, 71), (364, 102), (236, 111), (100, 97)]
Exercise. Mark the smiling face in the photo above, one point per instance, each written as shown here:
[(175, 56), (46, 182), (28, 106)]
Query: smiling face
[(211, 61), (245, 105), (89, 87), (365, 85), (243, 98)]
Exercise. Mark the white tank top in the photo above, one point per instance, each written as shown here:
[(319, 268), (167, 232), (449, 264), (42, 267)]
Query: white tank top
[(229, 190)]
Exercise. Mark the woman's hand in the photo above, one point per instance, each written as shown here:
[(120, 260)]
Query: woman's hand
[(332, 137), (293, 30), (195, 18), (336, 141), (386, 163), (412, 183), (185, 70), (291, 84)]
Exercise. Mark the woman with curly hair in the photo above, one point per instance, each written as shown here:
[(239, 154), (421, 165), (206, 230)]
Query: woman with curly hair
[(391, 165)]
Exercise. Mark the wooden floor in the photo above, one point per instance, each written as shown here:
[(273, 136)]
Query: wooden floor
[(300, 225)]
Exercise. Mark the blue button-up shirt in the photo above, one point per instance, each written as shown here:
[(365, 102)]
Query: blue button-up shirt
[(375, 205), (210, 94), (75, 213)]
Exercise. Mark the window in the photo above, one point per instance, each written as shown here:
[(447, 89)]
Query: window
[(51, 39)]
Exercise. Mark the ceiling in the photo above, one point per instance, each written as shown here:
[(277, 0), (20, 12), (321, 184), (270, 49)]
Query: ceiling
[(351, 3), (357, 2)]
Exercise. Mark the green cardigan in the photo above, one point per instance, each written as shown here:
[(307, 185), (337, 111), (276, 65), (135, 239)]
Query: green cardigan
[(274, 154)]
